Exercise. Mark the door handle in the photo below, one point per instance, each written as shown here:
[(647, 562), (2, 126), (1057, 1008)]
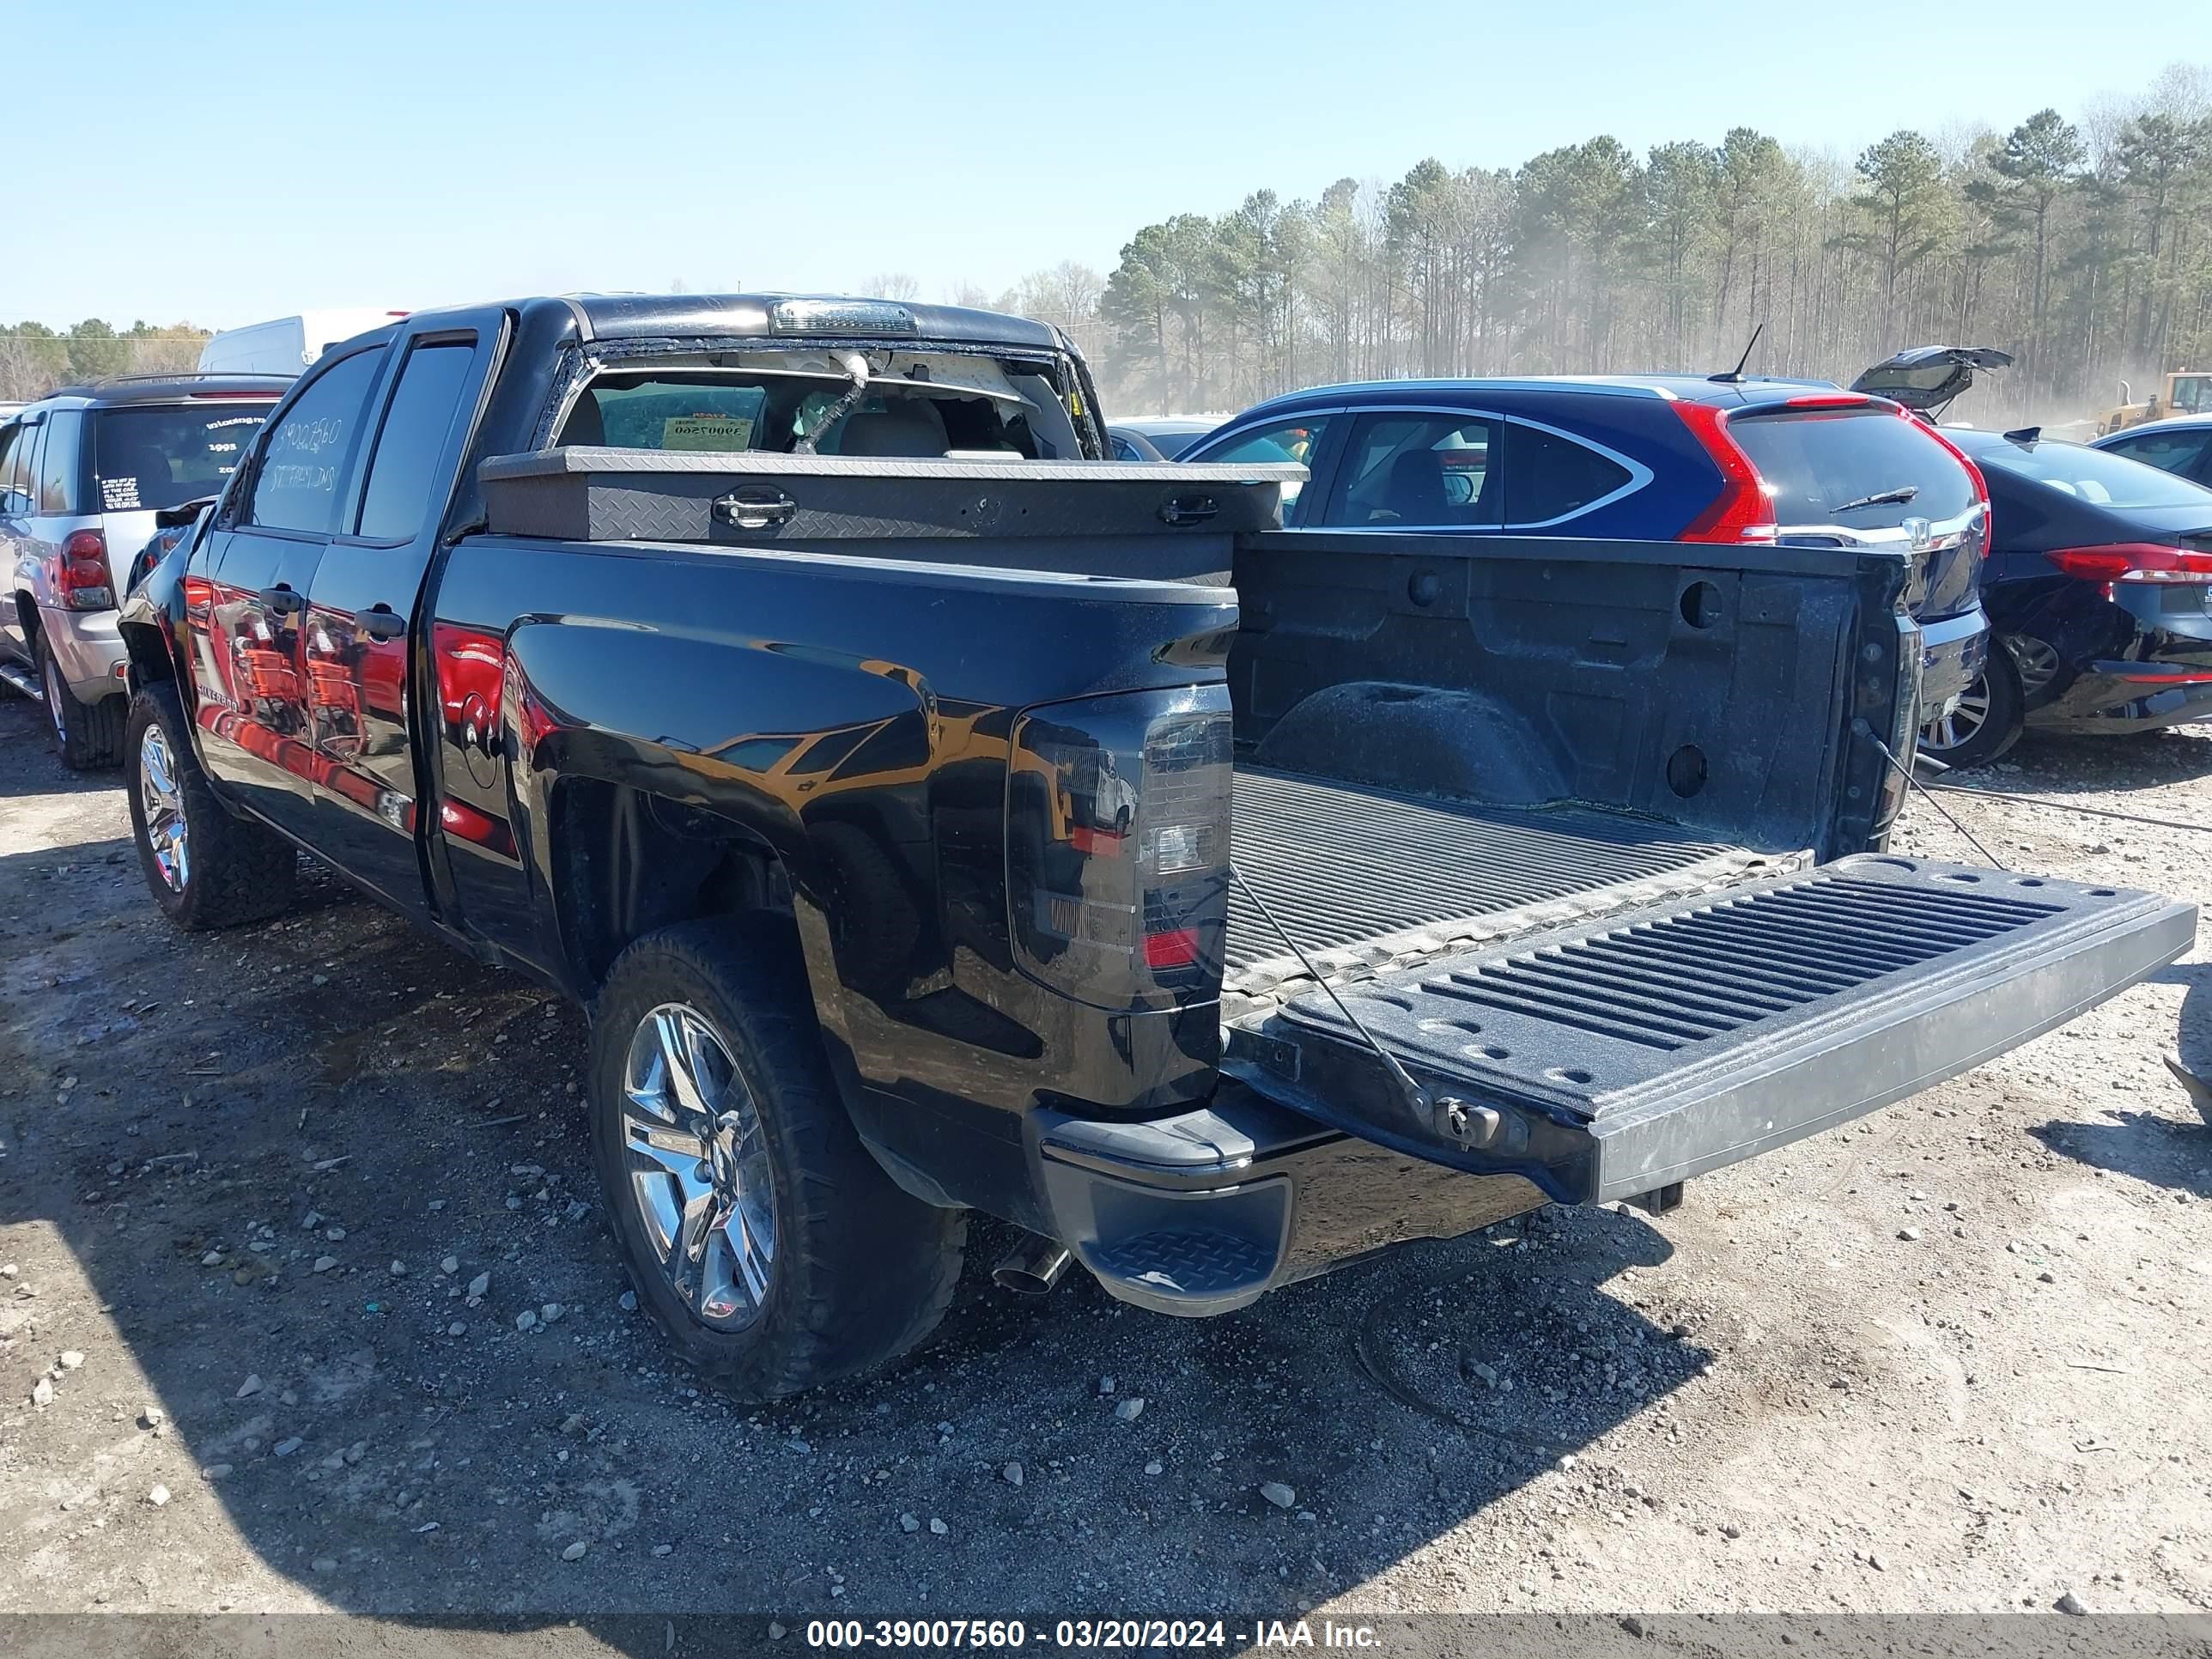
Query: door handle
[(284, 599), (381, 623)]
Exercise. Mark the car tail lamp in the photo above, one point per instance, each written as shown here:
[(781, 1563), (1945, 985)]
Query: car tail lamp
[(1743, 512), (1974, 471), (2134, 561), (1117, 846), (81, 574)]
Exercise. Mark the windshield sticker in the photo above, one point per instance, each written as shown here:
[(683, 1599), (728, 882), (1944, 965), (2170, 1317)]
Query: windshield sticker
[(707, 432), (118, 494)]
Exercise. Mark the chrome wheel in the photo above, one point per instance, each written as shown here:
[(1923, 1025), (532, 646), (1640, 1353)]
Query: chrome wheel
[(1963, 723), (698, 1167), (56, 701), (161, 802)]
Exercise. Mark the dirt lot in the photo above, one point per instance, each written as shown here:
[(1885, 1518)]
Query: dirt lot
[(1953, 1358)]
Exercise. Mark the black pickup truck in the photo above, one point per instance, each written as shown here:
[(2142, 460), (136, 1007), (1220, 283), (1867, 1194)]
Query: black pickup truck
[(937, 815)]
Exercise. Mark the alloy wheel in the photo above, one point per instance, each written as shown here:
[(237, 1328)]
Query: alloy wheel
[(161, 803), (698, 1165), (1960, 726)]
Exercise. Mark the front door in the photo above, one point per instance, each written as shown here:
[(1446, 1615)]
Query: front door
[(364, 609), (261, 560)]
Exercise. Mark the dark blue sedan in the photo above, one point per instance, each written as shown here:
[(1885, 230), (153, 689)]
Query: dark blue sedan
[(1653, 457)]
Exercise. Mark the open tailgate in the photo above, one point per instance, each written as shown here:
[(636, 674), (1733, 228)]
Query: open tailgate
[(1615, 1058)]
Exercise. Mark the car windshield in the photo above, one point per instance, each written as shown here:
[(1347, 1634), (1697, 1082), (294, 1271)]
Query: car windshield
[(164, 455), (2092, 476)]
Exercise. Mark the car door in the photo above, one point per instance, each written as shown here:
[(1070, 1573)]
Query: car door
[(363, 622), (2186, 451), (18, 479), (261, 561)]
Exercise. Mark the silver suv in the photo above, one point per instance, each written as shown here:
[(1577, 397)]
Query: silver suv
[(82, 475)]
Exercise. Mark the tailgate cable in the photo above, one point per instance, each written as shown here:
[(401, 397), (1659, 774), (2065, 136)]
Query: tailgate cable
[(1424, 1106), (1865, 730)]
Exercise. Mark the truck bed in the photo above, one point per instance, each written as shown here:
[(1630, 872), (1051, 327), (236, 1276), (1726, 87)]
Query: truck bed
[(1359, 875)]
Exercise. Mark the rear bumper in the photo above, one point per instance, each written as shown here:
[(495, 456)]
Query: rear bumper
[(1206, 1210), (2114, 698), (87, 648), (1952, 651)]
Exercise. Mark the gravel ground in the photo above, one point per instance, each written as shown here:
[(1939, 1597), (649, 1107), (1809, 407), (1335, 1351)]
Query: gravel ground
[(275, 1205)]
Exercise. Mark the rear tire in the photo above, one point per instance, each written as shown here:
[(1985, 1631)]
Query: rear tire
[(855, 1272), (1988, 721), (87, 736), (206, 868)]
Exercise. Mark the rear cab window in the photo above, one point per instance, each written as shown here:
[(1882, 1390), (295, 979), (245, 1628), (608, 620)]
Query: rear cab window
[(1858, 468), (166, 454), (916, 403)]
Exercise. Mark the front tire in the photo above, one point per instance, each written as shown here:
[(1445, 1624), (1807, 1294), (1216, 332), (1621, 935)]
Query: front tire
[(87, 736), (771, 1248), (206, 868), (1987, 722)]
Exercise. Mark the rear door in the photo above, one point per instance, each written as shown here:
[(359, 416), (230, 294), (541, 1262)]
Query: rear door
[(19, 446), (262, 556), (366, 599)]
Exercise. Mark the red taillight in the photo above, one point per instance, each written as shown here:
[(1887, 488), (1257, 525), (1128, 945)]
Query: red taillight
[(81, 574), (1742, 512), (2134, 561), (1974, 471), (1177, 948)]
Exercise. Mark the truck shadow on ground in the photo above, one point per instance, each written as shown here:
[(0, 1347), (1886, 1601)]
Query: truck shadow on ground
[(263, 1148)]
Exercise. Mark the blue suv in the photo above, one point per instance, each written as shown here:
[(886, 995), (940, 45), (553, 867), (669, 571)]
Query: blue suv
[(1647, 458)]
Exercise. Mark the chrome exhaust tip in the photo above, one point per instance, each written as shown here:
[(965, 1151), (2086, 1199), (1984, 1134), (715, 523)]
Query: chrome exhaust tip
[(1032, 1267)]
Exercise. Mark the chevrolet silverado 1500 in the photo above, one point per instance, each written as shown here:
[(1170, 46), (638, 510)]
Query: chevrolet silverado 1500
[(936, 816)]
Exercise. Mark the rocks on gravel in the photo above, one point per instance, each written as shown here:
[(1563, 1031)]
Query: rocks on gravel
[(909, 1522), (249, 1388), (1012, 1473), (576, 1551), (2071, 1605), (938, 1527), (158, 1497), (1131, 1409), (1282, 1497), (479, 1285), (451, 1264), (324, 1263), (1910, 1235), (71, 1359), (42, 1392)]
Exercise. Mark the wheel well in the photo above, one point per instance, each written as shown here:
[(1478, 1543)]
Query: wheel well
[(626, 862), (150, 654)]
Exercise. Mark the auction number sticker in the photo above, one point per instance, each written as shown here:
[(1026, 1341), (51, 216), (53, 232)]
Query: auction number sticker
[(1074, 1634)]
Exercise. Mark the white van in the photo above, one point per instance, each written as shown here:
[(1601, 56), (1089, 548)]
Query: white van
[(288, 344)]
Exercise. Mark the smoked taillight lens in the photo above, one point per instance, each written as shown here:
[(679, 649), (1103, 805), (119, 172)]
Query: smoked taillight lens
[(1117, 846), (81, 577), (2134, 561)]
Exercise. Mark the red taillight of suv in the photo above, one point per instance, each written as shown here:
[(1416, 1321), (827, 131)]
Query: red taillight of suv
[(80, 573), (2134, 561), (1743, 512)]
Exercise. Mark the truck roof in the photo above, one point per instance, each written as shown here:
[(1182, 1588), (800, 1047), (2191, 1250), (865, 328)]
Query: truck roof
[(648, 316)]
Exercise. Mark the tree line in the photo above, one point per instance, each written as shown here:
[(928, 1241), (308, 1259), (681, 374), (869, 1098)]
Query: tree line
[(2079, 244), (36, 360)]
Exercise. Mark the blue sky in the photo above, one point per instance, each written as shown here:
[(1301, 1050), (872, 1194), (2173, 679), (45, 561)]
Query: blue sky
[(224, 162)]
